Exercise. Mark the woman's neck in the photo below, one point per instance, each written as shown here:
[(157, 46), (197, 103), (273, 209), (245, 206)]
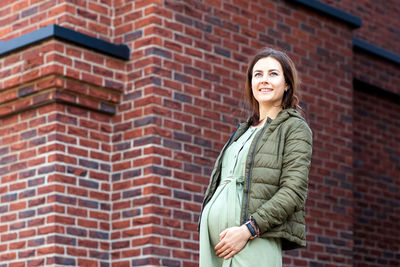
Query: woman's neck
[(269, 112)]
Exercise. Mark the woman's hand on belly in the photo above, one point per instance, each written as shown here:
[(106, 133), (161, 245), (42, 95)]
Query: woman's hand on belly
[(232, 240)]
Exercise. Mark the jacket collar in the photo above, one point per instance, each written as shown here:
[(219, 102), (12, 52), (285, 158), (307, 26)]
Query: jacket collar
[(282, 116)]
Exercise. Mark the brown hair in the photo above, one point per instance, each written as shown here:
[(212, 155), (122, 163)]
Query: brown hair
[(290, 99)]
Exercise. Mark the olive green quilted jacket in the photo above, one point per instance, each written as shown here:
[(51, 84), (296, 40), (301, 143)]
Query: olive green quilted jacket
[(276, 177)]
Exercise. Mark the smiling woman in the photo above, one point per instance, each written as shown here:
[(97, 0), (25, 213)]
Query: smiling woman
[(254, 204), (268, 86), (280, 69)]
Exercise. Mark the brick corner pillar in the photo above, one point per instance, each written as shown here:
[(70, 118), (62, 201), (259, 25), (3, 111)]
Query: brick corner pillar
[(162, 157), (59, 91)]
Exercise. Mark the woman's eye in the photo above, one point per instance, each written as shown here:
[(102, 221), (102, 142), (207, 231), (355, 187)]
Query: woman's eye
[(273, 74), (257, 74)]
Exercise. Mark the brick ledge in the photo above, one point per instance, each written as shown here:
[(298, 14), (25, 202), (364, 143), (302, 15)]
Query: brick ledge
[(120, 51), (349, 19), (372, 49), (58, 89)]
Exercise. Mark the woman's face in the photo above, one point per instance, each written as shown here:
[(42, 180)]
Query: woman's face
[(268, 82)]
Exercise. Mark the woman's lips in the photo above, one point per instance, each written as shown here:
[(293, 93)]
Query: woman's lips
[(265, 90)]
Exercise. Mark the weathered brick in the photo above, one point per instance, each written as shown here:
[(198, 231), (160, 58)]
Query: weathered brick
[(64, 261), (18, 206), (36, 242), (131, 213), (8, 256), (58, 239), (9, 197), (88, 183), (8, 237), (98, 235), (18, 245), (76, 231), (37, 262), (88, 203), (87, 223)]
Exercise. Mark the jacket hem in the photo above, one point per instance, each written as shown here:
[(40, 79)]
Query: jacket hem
[(289, 242)]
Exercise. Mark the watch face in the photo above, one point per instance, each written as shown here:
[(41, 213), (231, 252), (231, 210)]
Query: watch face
[(251, 229)]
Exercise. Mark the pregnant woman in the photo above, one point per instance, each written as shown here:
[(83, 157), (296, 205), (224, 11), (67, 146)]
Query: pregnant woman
[(254, 206)]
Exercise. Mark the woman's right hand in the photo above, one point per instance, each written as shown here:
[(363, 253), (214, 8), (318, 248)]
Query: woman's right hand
[(232, 240)]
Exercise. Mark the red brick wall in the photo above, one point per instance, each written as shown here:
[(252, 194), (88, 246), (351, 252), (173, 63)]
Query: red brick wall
[(90, 16), (184, 84), (104, 162), (56, 130), (55, 187), (376, 178)]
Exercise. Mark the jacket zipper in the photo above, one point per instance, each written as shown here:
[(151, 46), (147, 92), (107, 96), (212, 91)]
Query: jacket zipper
[(248, 175)]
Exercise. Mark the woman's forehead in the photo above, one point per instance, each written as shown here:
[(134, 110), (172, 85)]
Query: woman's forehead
[(267, 64)]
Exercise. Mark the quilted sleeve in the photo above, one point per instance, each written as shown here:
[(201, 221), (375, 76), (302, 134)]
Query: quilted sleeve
[(293, 182)]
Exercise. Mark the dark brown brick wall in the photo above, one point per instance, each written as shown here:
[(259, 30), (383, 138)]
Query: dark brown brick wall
[(376, 178)]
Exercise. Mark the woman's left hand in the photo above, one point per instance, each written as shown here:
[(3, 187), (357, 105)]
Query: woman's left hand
[(232, 240)]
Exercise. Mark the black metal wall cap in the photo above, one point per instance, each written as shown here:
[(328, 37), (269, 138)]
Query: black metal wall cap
[(360, 85), (375, 50), (120, 51), (351, 20)]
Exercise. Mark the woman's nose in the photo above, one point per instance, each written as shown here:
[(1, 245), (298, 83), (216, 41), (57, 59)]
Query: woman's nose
[(264, 79)]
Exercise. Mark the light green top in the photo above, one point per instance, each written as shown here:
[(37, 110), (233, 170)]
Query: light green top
[(223, 211)]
